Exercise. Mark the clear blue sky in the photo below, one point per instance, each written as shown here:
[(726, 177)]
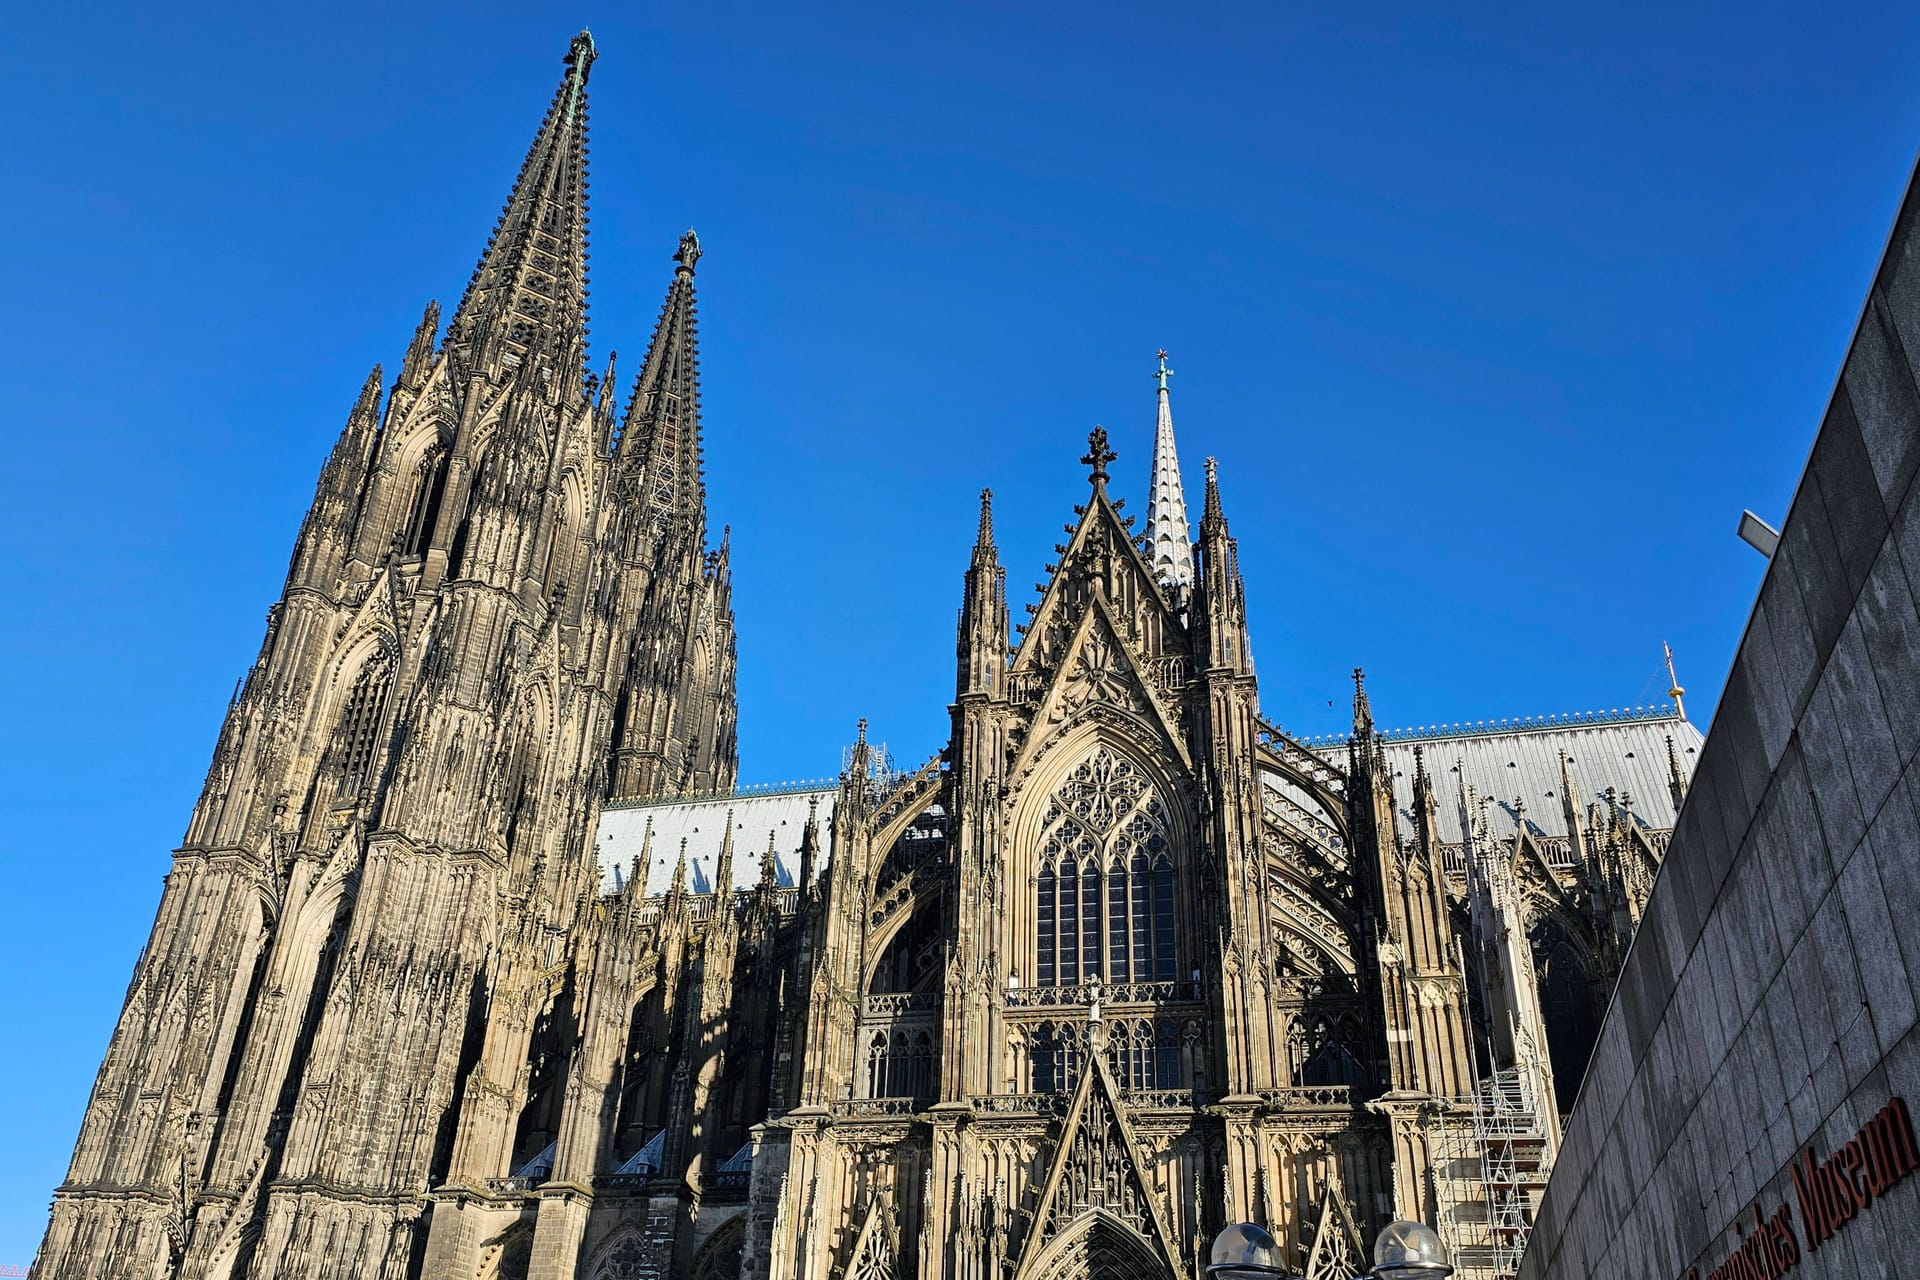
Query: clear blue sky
[(1495, 320)]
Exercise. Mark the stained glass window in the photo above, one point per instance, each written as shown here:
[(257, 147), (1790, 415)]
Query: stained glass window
[(1105, 884)]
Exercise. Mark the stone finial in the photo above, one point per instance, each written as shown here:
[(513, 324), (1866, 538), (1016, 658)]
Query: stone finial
[(581, 52), (688, 253)]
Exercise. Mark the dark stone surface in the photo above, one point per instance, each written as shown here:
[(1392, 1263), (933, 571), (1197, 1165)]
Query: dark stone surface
[(1796, 665), (1890, 625), (1873, 760), (1856, 514), (1809, 553), (1879, 384)]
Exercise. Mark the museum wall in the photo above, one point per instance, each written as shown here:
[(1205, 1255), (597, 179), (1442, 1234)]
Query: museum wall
[(1740, 1113)]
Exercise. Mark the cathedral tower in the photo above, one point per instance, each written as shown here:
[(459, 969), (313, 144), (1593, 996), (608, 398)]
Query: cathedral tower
[(500, 610)]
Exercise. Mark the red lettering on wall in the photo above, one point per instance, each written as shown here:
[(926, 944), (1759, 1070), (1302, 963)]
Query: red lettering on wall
[(1829, 1193)]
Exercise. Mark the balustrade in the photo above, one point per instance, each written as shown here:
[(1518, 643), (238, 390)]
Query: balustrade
[(1117, 993), (859, 1107), (1309, 1095), (891, 1003)]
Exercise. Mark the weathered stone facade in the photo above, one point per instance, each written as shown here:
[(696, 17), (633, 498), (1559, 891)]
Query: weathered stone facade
[(455, 974)]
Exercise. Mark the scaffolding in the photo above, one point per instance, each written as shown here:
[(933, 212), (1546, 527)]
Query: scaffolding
[(1492, 1170)]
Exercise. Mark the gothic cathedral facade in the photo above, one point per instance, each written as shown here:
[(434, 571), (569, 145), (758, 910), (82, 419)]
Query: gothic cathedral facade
[(476, 961)]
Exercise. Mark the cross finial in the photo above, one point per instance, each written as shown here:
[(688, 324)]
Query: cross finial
[(1676, 692), (1098, 456), (688, 253), (581, 52), (1163, 373)]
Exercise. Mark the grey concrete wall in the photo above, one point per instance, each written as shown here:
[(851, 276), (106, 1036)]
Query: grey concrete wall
[(1768, 1004)]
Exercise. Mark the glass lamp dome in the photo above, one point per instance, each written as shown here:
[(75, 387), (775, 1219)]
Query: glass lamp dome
[(1410, 1251), (1244, 1249)]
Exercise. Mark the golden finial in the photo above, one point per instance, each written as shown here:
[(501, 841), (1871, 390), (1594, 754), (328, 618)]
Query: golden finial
[(1676, 692)]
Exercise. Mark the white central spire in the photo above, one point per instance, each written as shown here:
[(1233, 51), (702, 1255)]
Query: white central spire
[(1169, 538)]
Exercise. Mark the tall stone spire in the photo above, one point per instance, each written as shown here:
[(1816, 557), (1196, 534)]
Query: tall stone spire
[(529, 293), (1169, 540), (661, 432)]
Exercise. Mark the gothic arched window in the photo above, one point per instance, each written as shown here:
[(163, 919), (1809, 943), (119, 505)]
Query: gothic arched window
[(356, 739), (1105, 908), (423, 508), (1569, 1008), (900, 1067)]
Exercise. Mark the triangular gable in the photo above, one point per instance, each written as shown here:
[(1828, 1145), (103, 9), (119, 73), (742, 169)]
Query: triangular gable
[(647, 1158), (1097, 1168), (1099, 668), (1531, 869), (872, 1255), (1336, 1253), (1099, 539)]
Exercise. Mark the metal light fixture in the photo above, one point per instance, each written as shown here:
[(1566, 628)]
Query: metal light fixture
[(1244, 1250), (1409, 1251), (1403, 1251)]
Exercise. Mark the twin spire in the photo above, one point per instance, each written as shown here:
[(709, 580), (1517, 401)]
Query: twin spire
[(528, 296), (528, 301)]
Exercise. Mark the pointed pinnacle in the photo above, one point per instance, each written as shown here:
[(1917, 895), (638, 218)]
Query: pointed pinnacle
[(581, 52), (1211, 512), (1169, 539), (368, 405), (770, 864), (723, 873), (679, 885), (985, 537)]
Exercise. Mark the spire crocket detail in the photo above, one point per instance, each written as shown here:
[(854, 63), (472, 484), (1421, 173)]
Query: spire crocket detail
[(1169, 538), (528, 295)]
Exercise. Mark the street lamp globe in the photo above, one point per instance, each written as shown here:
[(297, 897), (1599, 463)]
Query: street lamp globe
[(1409, 1251), (1244, 1250)]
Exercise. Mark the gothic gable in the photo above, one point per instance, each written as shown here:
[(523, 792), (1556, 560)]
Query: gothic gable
[(1096, 1184), (1335, 1253), (1100, 673), (1099, 561), (872, 1256)]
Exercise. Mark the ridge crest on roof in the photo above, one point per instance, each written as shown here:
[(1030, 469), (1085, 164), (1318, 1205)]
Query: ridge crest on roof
[(1508, 724), (750, 791)]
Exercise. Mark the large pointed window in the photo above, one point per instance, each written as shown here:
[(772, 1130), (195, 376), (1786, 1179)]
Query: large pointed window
[(423, 508), (356, 741), (1105, 910)]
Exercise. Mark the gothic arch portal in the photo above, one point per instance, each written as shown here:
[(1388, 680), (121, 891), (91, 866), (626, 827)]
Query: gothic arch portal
[(719, 1257), (1098, 1246)]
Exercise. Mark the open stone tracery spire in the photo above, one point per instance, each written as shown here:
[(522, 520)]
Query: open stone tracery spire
[(529, 292), (1169, 538)]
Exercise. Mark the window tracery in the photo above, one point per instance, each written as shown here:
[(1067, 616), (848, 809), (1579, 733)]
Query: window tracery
[(1142, 1053), (357, 736), (1105, 897), (900, 1065)]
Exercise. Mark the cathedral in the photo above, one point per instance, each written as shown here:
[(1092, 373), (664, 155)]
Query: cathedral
[(476, 961)]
